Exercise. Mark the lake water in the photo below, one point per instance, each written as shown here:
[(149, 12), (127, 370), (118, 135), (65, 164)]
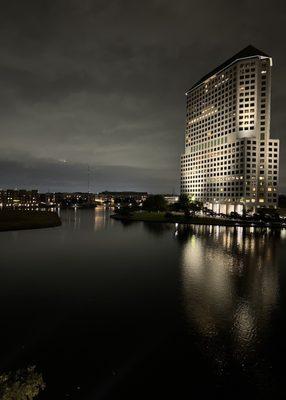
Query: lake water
[(107, 310)]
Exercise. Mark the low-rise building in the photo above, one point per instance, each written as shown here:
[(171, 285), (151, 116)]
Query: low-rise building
[(19, 198)]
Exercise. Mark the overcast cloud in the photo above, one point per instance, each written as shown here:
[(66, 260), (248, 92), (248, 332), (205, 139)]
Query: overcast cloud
[(102, 83)]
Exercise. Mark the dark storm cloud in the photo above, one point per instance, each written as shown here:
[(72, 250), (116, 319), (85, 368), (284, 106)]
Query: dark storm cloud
[(102, 83)]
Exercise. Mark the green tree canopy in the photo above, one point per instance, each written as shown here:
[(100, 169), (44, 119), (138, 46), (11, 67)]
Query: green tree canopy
[(184, 202), (22, 385), (187, 204), (155, 202)]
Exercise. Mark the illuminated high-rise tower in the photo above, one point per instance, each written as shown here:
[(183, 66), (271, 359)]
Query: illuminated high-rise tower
[(229, 159)]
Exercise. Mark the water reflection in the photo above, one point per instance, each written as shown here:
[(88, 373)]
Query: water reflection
[(82, 299), (101, 218), (230, 288), (157, 229), (90, 219)]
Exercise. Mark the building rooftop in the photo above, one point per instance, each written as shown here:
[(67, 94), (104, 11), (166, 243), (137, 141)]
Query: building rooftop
[(247, 52)]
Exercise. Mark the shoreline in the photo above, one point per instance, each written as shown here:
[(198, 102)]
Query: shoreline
[(160, 218), (16, 220)]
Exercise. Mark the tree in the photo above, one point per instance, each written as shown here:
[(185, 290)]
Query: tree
[(187, 204), (184, 201), (268, 214), (184, 204), (24, 384), (196, 205), (155, 202)]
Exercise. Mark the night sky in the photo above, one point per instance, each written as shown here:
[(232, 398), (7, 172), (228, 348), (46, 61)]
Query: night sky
[(102, 83)]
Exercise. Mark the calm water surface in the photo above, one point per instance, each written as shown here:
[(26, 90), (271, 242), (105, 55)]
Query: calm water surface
[(130, 311)]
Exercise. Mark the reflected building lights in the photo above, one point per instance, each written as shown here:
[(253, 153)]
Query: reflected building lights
[(244, 325), (230, 282), (283, 233), (99, 219)]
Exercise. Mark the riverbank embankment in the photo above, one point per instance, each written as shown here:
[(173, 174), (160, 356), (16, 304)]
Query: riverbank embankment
[(27, 219)]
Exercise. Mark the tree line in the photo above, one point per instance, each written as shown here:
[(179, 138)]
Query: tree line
[(158, 203)]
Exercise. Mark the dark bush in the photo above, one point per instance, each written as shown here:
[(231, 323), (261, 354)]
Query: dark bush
[(168, 215)]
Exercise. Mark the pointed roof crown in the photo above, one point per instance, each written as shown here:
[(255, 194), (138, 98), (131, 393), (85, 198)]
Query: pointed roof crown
[(247, 52)]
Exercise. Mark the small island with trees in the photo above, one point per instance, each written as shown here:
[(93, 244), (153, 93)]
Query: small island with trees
[(188, 211)]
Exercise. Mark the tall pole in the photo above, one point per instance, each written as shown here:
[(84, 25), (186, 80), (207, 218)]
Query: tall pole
[(88, 176)]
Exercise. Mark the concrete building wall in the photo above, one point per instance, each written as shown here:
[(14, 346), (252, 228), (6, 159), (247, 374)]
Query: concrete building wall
[(229, 159)]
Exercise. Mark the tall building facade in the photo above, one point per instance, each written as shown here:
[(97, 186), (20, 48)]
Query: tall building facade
[(230, 162)]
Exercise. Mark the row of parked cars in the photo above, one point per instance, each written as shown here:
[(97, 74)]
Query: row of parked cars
[(265, 215)]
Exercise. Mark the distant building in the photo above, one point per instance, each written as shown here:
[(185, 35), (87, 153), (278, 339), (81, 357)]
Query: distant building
[(19, 198), (32, 198), (111, 197), (48, 199), (171, 199), (230, 162), (73, 199)]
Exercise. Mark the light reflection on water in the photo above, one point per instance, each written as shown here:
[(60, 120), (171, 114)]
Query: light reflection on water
[(230, 284), (199, 308)]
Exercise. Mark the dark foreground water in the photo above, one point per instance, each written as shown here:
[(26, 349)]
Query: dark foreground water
[(142, 311)]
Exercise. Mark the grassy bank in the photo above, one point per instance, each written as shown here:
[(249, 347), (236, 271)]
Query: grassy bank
[(197, 220), (24, 219)]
